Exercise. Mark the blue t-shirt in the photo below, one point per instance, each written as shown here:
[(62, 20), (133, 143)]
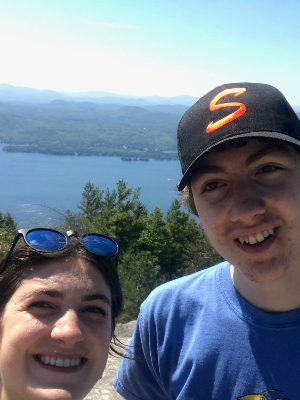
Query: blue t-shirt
[(196, 338)]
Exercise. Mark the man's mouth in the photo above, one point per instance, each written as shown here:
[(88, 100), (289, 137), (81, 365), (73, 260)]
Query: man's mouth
[(60, 362), (257, 238)]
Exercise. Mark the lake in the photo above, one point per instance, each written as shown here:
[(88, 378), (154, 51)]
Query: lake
[(36, 187)]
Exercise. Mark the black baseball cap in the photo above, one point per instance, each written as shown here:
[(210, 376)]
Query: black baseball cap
[(231, 111)]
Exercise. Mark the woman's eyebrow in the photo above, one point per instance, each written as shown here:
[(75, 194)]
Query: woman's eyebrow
[(50, 293), (97, 296), (59, 295)]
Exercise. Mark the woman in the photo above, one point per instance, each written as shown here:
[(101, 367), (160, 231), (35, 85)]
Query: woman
[(59, 299)]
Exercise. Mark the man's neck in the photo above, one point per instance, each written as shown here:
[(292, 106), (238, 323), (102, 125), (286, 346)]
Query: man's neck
[(273, 296)]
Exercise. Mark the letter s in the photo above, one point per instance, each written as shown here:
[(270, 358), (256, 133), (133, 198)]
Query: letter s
[(212, 126)]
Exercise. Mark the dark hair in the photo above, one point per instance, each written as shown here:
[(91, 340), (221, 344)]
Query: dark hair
[(25, 260), (186, 195), (187, 199)]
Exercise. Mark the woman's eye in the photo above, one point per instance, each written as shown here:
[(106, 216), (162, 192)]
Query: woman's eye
[(40, 304), (212, 186), (95, 310)]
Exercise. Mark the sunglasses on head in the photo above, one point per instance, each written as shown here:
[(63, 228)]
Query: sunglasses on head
[(50, 240)]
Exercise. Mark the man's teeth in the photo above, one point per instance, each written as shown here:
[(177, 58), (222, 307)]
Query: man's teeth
[(61, 362), (259, 237)]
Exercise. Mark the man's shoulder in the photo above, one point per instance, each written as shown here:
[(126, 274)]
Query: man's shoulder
[(195, 286), (186, 281)]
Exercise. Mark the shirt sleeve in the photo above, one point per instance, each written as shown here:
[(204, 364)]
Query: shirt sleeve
[(138, 376)]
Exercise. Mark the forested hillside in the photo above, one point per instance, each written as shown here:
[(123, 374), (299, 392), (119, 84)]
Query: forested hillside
[(153, 249), (84, 128), (91, 123), (102, 124)]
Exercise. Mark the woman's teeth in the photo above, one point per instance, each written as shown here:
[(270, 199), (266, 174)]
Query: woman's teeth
[(259, 237), (60, 362)]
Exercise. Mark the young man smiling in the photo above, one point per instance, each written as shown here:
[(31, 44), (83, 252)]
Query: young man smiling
[(231, 331)]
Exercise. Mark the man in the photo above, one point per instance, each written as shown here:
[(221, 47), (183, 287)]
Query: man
[(231, 331)]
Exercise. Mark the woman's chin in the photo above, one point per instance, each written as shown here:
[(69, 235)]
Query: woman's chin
[(57, 394)]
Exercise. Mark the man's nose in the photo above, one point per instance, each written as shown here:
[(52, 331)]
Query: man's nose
[(246, 203), (68, 329)]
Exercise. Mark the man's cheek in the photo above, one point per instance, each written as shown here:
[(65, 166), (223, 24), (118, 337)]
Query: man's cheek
[(215, 234)]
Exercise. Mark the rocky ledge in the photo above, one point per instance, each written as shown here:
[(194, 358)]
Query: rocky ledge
[(104, 390)]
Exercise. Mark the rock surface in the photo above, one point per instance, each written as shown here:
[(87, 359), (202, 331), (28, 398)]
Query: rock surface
[(104, 390)]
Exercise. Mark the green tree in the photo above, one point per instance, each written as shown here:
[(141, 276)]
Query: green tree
[(153, 248), (139, 272), (7, 231), (91, 203), (188, 248), (118, 213), (153, 237)]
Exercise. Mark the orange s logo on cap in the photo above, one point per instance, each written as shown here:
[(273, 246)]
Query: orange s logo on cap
[(212, 126)]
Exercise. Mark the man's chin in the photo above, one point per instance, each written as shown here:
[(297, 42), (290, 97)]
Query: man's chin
[(262, 271)]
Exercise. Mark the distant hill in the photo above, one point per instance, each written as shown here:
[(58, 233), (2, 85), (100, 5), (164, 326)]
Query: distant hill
[(90, 123), (10, 93), (87, 128)]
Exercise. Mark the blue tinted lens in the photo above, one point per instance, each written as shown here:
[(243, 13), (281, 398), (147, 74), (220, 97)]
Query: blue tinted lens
[(100, 245), (45, 240)]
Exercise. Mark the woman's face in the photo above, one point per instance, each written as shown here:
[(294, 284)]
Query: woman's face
[(55, 332)]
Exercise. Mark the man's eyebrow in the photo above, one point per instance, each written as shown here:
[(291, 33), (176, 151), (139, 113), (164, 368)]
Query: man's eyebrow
[(207, 169), (97, 296), (266, 151), (214, 169)]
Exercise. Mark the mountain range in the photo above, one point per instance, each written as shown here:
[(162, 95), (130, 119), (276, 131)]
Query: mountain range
[(10, 93), (90, 123)]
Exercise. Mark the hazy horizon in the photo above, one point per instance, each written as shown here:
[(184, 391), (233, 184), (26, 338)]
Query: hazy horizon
[(135, 48), (93, 91)]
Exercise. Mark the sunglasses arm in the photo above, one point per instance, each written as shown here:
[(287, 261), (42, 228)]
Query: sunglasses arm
[(8, 254)]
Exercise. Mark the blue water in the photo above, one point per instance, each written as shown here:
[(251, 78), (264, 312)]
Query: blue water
[(33, 184)]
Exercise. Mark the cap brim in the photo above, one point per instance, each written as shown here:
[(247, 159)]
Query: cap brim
[(268, 134)]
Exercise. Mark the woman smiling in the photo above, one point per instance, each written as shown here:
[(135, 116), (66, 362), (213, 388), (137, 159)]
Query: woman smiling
[(59, 299)]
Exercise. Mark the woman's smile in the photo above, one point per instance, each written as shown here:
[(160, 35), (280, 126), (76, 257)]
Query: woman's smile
[(61, 362), (56, 332)]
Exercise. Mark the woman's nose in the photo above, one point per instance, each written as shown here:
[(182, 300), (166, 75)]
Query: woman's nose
[(68, 329)]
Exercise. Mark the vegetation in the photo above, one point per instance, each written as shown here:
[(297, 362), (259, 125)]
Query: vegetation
[(86, 128), (153, 249), (132, 132), (7, 232)]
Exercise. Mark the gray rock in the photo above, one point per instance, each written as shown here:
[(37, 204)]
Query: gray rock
[(104, 390)]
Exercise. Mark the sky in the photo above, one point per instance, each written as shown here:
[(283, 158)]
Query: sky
[(150, 47)]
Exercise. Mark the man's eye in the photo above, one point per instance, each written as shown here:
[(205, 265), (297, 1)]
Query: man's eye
[(212, 186), (266, 169)]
